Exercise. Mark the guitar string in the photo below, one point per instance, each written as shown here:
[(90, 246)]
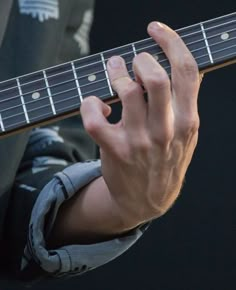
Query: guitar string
[(93, 91), (127, 53), (71, 106), (219, 18), (98, 62), (101, 71), (50, 115)]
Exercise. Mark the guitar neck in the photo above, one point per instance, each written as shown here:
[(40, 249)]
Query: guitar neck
[(57, 92)]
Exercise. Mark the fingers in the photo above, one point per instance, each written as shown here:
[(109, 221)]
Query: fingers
[(130, 93), (157, 85), (94, 113), (167, 101), (185, 74)]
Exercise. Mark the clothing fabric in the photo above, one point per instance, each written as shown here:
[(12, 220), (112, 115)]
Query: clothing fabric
[(4, 15), (41, 169)]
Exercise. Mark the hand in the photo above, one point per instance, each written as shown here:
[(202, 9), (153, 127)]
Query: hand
[(146, 155)]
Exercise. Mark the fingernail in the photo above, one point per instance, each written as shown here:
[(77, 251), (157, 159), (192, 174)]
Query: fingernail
[(115, 62), (155, 25)]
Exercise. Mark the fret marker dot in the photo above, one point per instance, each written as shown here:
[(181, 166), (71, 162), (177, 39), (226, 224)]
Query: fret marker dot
[(36, 95), (92, 78), (225, 36)]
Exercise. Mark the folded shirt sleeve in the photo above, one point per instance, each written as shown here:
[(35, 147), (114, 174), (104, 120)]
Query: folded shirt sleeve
[(69, 260)]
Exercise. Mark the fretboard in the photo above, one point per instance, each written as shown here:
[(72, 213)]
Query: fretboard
[(57, 92)]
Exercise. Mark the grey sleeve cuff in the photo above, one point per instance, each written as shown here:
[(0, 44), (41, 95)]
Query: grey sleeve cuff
[(71, 259)]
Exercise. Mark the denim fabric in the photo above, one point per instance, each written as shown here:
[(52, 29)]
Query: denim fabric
[(71, 259)]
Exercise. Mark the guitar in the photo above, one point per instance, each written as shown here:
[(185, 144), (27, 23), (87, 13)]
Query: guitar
[(57, 92)]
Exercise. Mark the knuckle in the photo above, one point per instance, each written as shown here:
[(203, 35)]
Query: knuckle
[(132, 90), (158, 81), (123, 155), (190, 67), (92, 126), (190, 125), (163, 138), (139, 142), (144, 144), (117, 82), (140, 56)]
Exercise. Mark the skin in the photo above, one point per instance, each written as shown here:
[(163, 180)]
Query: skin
[(146, 155)]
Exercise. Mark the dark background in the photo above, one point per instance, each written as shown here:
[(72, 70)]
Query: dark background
[(194, 245)]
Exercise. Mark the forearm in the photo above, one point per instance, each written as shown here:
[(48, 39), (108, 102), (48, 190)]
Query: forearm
[(90, 216), (71, 220)]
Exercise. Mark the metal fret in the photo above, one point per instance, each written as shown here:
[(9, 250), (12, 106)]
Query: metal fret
[(106, 73), (63, 87), (77, 82), (27, 100), (49, 93), (126, 52), (207, 44), (22, 101), (134, 49), (1, 123), (92, 76), (221, 35)]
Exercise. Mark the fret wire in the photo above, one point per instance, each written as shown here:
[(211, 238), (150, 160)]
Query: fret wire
[(208, 29), (178, 30), (220, 58), (134, 49), (106, 73), (49, 92), (220, 50), (77, 81), (59, 93), (197, 58), (220, 18), (127, 63), (47, 105), (42, 107), (42, 115), (2, 101), (22, 101), (123, 54), (190, 43), (103, 96), (1, 123), (93, 91), (207, 43), (186, 28), (106, 95)]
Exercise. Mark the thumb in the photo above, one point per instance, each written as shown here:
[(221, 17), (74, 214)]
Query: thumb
[(94, 113)]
